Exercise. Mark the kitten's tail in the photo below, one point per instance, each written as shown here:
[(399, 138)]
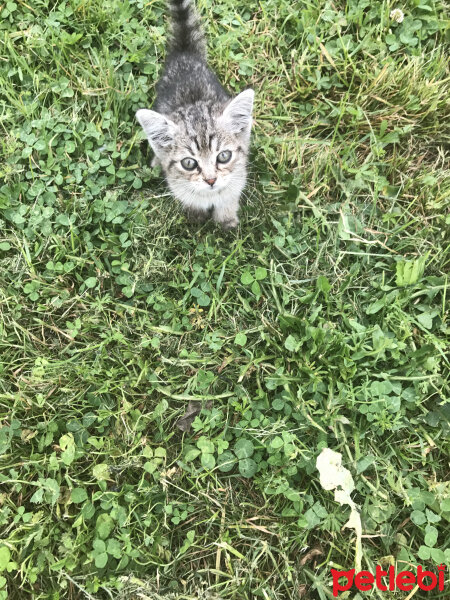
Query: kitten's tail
[(187, 33)]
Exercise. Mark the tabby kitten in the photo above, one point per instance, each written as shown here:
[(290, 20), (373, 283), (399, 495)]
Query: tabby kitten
[(200, 136)]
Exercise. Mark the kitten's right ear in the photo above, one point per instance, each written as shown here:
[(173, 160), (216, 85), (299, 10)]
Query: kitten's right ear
[(159, 130)]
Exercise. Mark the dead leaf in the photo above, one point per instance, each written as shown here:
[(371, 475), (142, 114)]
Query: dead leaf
[(259, 527), (333, 476), (310, 555), (193, 409)]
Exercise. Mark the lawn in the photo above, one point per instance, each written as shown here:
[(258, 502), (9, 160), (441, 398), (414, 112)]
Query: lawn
[(321, 322)]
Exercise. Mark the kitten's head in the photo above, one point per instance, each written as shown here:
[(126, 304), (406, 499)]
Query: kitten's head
[(202, 148)]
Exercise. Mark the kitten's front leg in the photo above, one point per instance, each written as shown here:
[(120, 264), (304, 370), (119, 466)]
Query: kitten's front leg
[(225, 212), (196, 215)]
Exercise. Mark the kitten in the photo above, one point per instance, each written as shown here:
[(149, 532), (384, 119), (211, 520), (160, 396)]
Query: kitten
[(200, 136)]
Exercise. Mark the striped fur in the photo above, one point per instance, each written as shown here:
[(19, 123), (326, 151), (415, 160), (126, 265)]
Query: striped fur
[(187, 34)]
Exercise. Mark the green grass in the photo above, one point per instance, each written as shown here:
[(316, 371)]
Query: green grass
[(323, 321)]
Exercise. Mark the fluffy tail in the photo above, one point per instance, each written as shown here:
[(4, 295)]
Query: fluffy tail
[(187, 34)]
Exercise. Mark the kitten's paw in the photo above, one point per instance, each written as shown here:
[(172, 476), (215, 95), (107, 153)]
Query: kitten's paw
[(230, 223), (226, 213)]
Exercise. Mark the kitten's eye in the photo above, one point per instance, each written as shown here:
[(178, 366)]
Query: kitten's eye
[(224, 156), (189, 164)]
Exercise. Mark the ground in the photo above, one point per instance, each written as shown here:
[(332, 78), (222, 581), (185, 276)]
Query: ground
[(321, 322)]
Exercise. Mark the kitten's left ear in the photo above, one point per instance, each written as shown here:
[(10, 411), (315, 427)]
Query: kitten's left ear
[(237, 115), (159, 130)]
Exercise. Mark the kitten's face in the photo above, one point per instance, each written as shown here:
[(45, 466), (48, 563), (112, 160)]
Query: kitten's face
[(204, 161), (202, 148)]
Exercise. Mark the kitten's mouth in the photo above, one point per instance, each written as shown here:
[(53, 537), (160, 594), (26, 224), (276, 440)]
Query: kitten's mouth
[(206, 190), (210, 189)]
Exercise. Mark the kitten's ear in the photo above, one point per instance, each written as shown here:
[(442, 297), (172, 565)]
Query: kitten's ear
[(237, 115), (159, 130)]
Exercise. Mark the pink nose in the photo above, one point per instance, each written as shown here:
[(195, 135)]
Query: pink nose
[(211, 181)]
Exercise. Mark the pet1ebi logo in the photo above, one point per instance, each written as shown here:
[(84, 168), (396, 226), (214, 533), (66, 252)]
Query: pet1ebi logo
[(404, 580)]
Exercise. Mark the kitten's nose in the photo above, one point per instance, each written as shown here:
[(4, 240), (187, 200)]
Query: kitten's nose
[(211, 181)]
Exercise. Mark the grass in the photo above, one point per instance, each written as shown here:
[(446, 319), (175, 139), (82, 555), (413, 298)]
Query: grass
[(322, 322)]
